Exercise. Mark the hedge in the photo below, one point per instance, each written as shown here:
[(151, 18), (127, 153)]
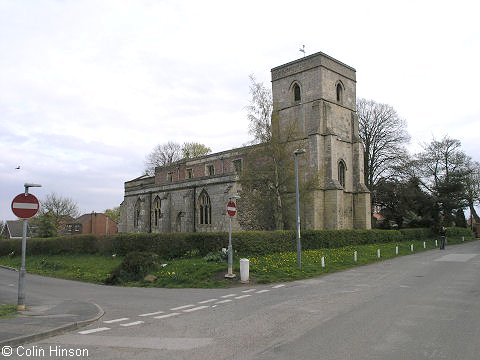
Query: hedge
[(246, 243)]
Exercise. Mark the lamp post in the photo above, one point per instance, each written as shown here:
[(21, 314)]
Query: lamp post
[(22, 272), (297, 198)]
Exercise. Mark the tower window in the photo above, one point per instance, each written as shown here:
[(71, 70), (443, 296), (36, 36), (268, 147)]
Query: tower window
[(297, 96), (205, 208), (341, 173), (339, 93), (210, 170)]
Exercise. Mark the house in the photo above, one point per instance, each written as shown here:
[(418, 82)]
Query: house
[(13, 229), (93, 223)]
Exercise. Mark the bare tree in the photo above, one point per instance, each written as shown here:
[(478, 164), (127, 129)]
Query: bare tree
[(384, 135), (57, 209), (472, 188), (260, 112), (161, 155)]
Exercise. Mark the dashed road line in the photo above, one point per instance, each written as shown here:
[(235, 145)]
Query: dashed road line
[(227, 296), (166, 315), (261, 291), (182, 307), (116, 320), (278, 286), (132, 323), (207, 301), (196, 308), (249, 290), (91, 331), (153, 313), (224, 301), (243, 296)]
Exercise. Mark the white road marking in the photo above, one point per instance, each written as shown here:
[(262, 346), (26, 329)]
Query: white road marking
[(262, 291), (207, 301), (166, 316), (227, 296), (133, 323), (223, 301), (196, 308), (153, 313), (278, 286), (249, 290), (116, 320), (85, 332), (182, 307), (242, 296)]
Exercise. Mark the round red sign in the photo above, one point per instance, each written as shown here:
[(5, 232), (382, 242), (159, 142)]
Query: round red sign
[(25, 206), (231, 208)]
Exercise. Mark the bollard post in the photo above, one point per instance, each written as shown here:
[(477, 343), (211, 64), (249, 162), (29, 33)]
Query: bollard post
[(323, 261), (378, 253), (396, 250), (411, 247), (436, 243), (424, 245), (244, 271), (355, 256)]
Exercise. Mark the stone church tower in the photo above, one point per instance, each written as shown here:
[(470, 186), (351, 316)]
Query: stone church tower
[(316, 96)]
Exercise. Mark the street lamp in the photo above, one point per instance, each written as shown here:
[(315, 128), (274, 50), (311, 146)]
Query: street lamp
[(297, 197), (22, 272)]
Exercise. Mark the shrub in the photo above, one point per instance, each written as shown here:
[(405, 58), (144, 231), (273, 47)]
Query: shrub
[(134, 267)]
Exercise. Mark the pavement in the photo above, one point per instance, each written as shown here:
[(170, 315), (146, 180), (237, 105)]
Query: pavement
[(45, 318)]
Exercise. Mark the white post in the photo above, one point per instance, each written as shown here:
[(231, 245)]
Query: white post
[(436, 243), (396, 250), (424, 245), (355, 256), (323, 261), (463, 238), (411, 247), (378, 253)]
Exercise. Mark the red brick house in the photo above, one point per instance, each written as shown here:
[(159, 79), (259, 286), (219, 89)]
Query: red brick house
[(93, 223)]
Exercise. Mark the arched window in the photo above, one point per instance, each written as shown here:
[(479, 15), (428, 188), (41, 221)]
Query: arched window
[(136, 213), (341, 172), (297, 96), (205, 208), (156, 211), (339, 92)]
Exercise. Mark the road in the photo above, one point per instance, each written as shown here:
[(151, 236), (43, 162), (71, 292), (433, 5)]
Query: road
[(422, 306)]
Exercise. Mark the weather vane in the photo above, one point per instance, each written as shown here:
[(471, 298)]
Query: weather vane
[(302, 49)]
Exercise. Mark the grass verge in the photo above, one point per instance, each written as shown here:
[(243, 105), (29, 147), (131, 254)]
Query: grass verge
[(200, 273), (7, 310)]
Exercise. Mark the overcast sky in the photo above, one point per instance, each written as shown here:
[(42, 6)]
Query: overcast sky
[(88, 88)]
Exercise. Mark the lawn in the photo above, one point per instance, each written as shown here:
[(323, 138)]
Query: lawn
[(7, 310), (197, 272)]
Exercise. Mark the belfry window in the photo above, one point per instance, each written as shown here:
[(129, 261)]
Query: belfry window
[(205, 208), (297, 96), (341, 173), (157, 211)]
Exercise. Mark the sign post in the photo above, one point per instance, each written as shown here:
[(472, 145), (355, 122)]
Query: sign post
[(24, 206), (231, 211)]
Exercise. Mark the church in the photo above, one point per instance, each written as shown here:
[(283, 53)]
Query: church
[(317, 94)]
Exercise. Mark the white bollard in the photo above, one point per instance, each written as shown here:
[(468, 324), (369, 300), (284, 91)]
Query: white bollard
[(411, 247), (323, 261), (396, 250), (355, 256), (244, 270), (378, 253), (463, 238), (436, 243), (424, 245)]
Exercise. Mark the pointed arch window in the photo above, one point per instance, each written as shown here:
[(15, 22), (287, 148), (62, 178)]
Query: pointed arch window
[(157, 211), (136, 213), (297, 95), (205, 208), (342, 168), (339, 92)]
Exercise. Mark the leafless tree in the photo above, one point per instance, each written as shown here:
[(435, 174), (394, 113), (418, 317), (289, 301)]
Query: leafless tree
[(384, 135), (58, 209), (161, 155)]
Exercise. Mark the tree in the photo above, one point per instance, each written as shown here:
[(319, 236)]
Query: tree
[(193, 149), (260, 112), (113, 214), (442, 169), (165, 154), (472, 188), (385, 137)]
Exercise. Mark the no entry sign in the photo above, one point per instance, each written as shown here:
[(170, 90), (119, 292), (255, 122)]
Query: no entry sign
[(231, 208), (25, 206)]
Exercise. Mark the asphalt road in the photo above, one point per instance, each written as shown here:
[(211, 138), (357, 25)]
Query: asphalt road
[(422, 306)]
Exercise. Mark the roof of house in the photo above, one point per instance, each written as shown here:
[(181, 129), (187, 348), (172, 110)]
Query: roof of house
[(14, 229)]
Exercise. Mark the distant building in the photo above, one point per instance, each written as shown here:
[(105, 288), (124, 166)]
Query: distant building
[(13, 229), (93, 223), (317, 96)]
